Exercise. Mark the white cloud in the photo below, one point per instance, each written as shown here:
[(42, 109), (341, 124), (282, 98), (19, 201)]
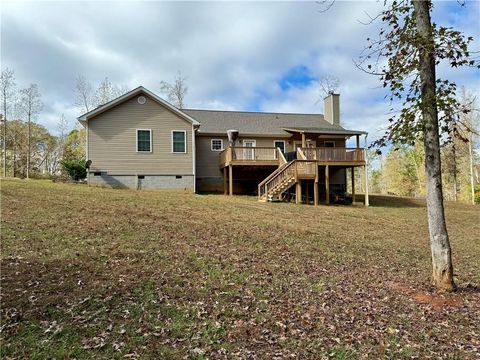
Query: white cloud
[(233, 53)]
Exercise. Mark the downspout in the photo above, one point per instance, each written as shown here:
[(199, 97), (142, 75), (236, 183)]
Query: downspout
[(86, 151), (194, 155), (367, 201)]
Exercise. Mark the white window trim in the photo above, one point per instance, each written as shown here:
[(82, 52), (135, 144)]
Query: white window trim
[(211, 145), (245, 148), (136, 140), (249, 140), (284, 146), (185, 141), (329, 141)]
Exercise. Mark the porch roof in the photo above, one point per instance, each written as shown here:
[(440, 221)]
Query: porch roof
[(324, 131)]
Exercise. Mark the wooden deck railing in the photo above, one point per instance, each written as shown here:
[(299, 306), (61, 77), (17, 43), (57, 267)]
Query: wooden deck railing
[(225, 157), (333, 154), (242, 153), (251, 154)]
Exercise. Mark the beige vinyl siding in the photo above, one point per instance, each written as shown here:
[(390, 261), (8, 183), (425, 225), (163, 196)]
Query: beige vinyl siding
[(207, 160), (267, 142), (112, 140)]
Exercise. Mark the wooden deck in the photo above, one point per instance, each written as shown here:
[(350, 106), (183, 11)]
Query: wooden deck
[(304, 167), (270, 156)]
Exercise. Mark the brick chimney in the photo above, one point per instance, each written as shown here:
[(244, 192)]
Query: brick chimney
[(331, 108)]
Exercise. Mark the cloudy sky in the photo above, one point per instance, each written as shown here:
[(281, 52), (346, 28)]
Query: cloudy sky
[(255, 56)]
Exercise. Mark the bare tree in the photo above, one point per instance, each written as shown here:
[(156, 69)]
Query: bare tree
[(87, 99), (177, 91), (62, 134), (104, 92), (7, 88), (31, 105), (119, 90), (84, 94), (469, 124), (470, 158), (329, 84)]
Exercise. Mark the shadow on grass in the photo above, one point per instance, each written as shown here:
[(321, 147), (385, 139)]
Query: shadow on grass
[(468, 289), (392, 201), (388, 201)]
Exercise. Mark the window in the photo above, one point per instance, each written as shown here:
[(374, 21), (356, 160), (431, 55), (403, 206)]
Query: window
[(249, 151), (178, 141), (217, 145), (329, 143), (280, 144), (144, 140)]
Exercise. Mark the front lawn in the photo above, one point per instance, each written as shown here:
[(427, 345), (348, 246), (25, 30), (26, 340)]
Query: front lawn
[(90, 272)]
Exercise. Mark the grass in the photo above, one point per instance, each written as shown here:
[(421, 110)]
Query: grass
[(89, 272)]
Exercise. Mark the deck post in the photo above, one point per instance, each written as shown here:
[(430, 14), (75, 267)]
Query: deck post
[(304, 143), (367, 202), (315, 187), (225, 180), (327, 186), (353, 184), (307, 192), (358, 141), (298, 192), (230, 180)]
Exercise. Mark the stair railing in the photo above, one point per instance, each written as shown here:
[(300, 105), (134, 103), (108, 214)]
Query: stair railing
[(281, 157), (275, 181), (282, 162)]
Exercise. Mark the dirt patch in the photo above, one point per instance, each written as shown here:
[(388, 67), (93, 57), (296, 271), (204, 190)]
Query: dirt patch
[(435, 301)]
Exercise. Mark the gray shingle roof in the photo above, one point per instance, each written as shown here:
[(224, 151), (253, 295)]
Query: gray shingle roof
[(317, 130), (259, 123)]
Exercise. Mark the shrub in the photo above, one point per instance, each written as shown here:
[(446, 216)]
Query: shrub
[(75, 169)]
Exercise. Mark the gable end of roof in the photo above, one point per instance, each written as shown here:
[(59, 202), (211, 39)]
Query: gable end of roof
[(127, 96)]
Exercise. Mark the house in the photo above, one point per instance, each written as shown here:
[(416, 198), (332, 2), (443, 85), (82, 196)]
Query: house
[(141, 141)]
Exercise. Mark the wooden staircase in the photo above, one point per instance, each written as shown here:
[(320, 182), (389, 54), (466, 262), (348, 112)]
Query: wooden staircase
[(284, 177), (277, 183)]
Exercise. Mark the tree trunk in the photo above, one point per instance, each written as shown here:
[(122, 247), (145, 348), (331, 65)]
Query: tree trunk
[(14, 154), (442, 275), (472, 186), (4, 135), (28, 147), (454, 155)]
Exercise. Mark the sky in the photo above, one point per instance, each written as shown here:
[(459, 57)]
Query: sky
[(251, 56)]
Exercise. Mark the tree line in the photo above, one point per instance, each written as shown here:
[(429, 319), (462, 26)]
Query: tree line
[(401, 170), (29, 150)]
